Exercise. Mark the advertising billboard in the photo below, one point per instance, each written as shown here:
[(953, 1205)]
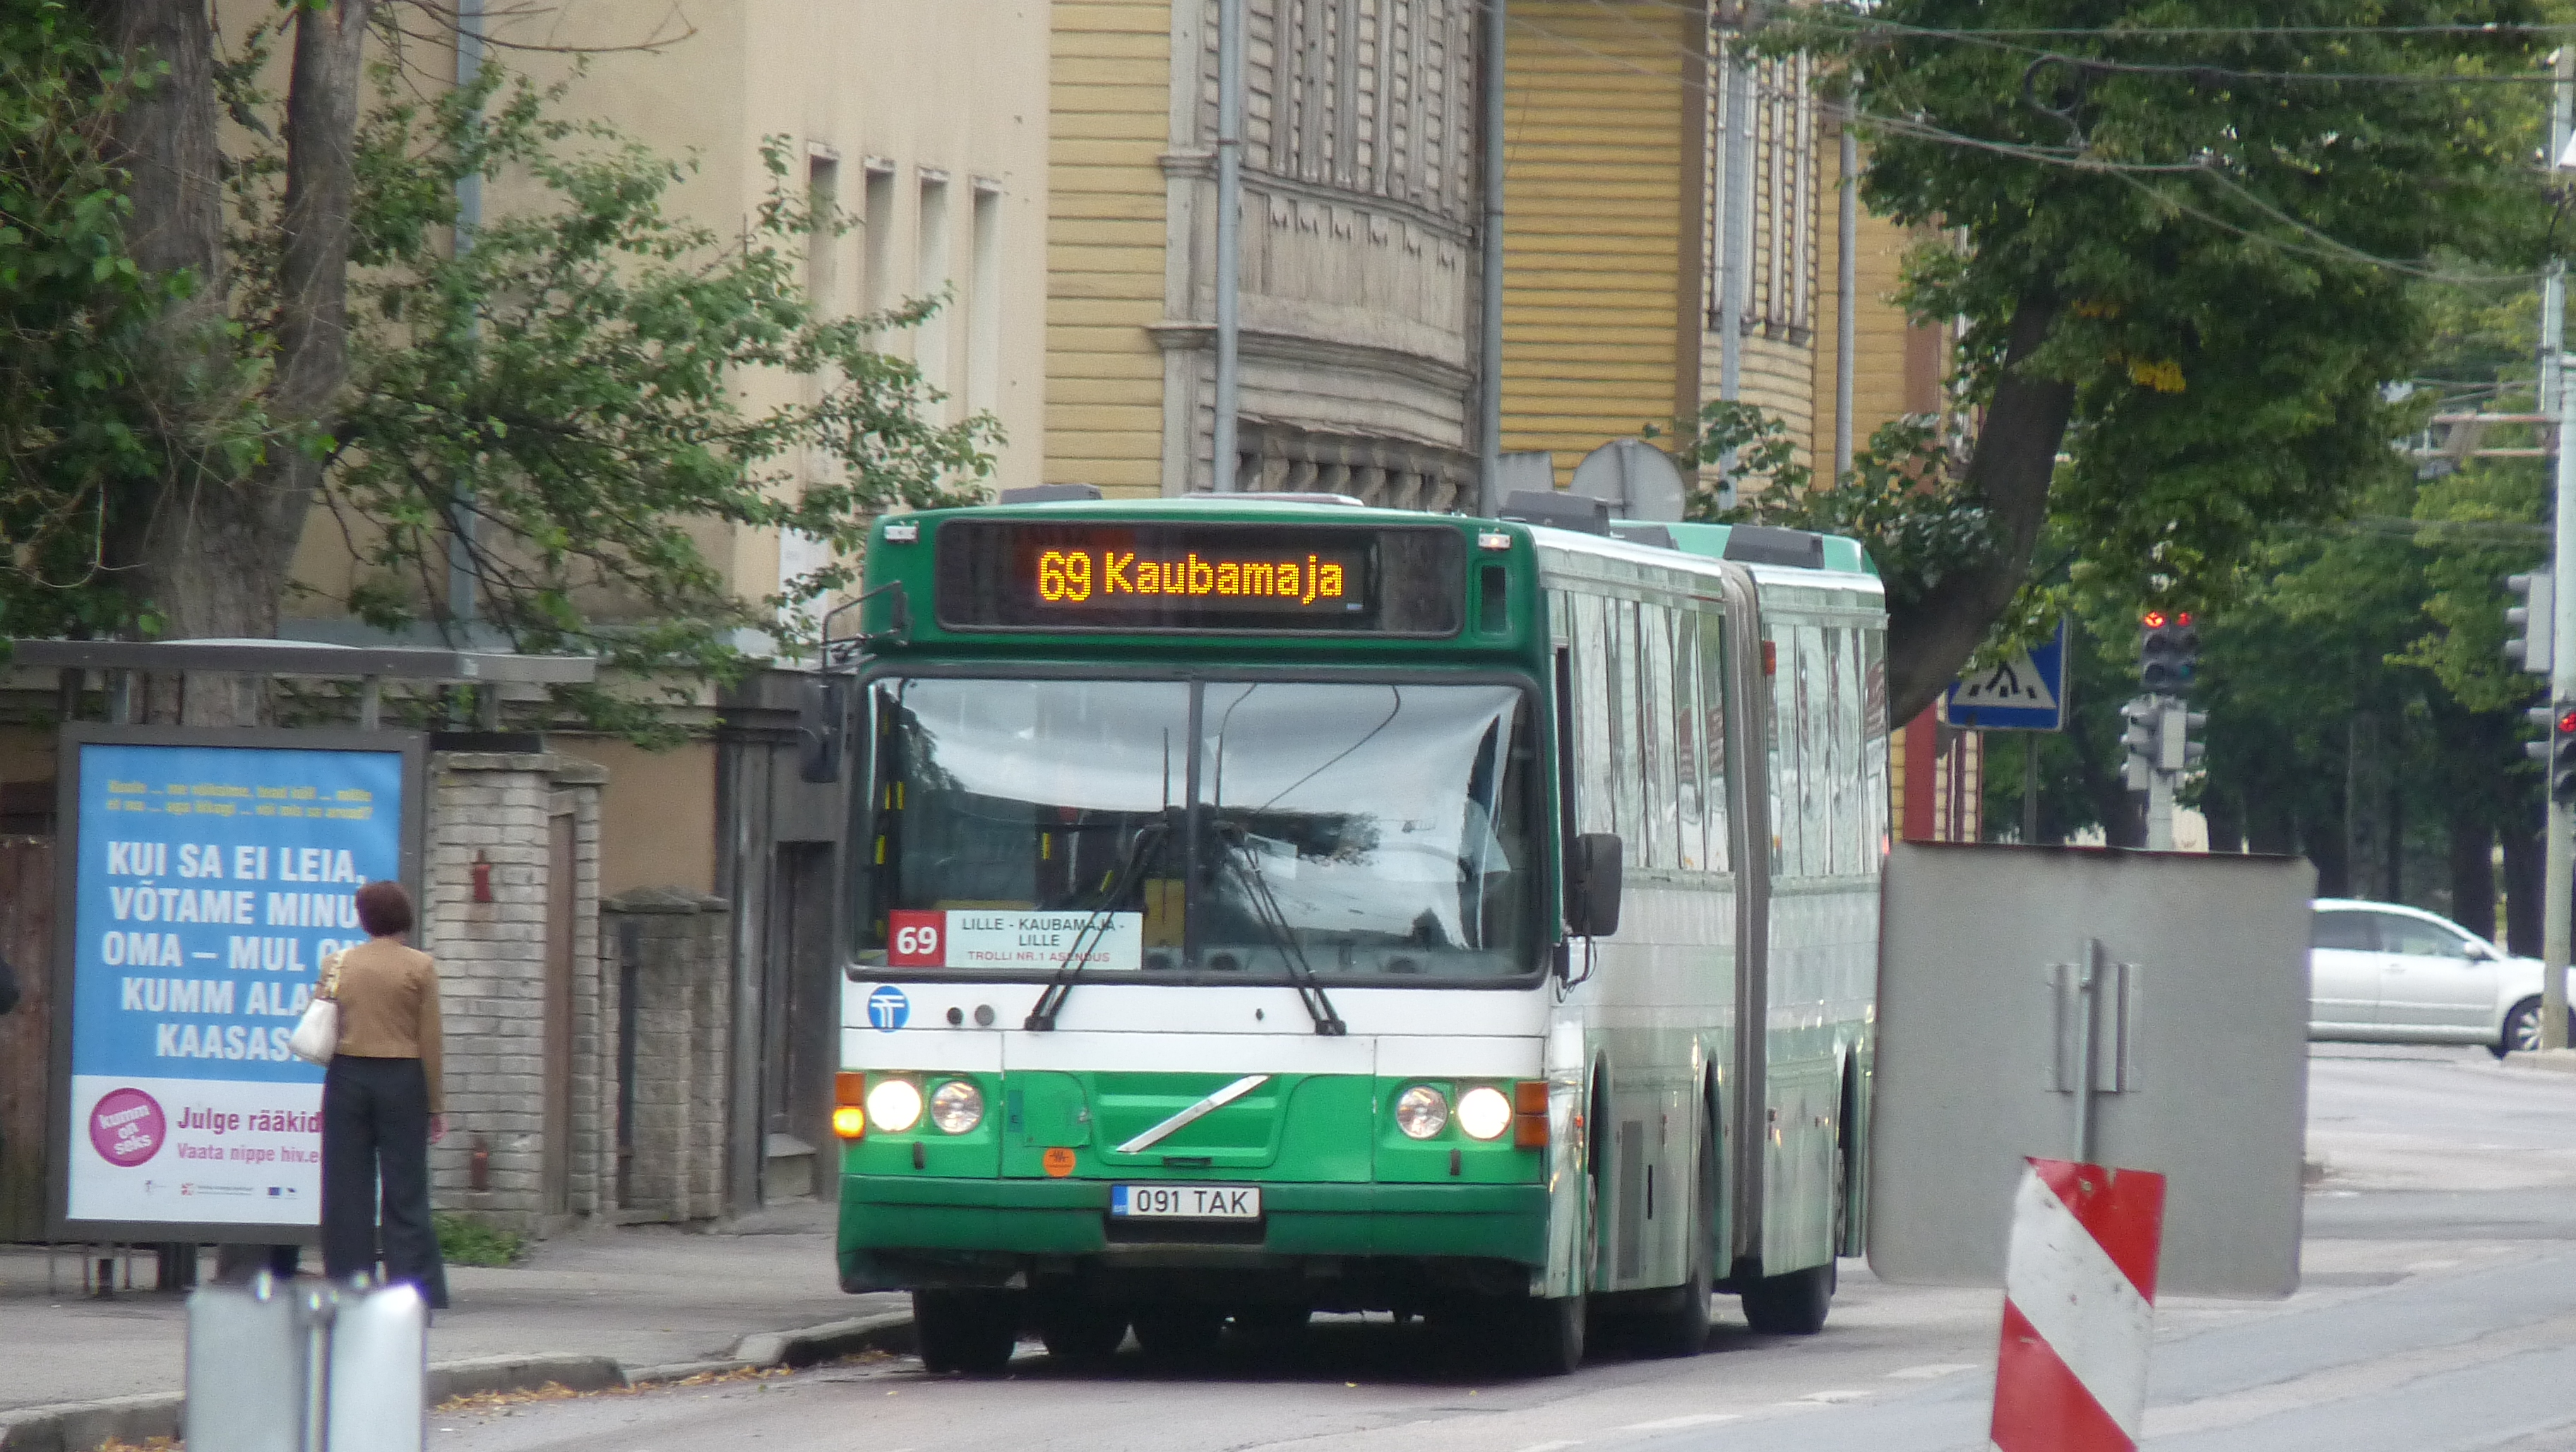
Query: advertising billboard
[(204, 876)]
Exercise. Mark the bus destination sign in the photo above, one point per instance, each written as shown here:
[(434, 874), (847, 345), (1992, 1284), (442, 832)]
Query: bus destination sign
[(1088, 577), (1108, 578)]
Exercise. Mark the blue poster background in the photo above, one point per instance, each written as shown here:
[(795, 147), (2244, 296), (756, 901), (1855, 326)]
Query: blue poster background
[(211, 882)]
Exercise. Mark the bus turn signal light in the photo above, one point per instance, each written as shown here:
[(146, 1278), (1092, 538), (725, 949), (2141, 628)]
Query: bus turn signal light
[(1529, 1114), (849, 1120)]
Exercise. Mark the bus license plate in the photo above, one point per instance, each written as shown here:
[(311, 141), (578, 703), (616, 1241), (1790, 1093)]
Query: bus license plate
[(1185, 1202)]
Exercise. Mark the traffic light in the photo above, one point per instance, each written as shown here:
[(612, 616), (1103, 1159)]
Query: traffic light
[(2529, 647), (2143, 738), (2183, 726), (2168, 650), (2562, 754)]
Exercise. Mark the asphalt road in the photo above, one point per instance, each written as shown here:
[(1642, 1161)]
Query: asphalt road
[(2438, 1311)]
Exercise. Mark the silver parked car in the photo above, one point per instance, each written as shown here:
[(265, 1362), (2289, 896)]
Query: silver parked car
[(2395, 974)]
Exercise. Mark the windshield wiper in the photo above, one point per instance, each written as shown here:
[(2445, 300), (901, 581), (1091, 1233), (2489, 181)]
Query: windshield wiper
[(1265, 911), (1120, 881)]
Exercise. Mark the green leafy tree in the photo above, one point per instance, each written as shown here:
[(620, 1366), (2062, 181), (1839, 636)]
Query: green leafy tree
[(2181, 236), (73, 309)]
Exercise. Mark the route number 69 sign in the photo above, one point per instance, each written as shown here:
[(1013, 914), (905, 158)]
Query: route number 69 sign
[(1011, 940)]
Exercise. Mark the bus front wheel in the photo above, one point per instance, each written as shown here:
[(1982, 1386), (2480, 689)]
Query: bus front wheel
[(1079, 1331), (970, 1331), (1547, 1334)]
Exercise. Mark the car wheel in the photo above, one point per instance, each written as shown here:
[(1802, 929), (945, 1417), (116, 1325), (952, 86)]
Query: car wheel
[(2522, 1029)]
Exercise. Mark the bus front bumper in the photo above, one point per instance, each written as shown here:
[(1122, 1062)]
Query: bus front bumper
[(900, 1233)]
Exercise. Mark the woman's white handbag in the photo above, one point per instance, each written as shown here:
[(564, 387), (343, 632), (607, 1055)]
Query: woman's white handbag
[(317, 1034)]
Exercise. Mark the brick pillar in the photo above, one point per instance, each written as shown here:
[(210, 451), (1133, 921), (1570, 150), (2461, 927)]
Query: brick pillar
[(499, 810)]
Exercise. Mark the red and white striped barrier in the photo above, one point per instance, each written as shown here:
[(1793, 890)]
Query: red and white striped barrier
[(2079, 1308)]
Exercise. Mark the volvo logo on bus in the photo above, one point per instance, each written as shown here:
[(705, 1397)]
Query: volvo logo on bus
[(888, 1008)]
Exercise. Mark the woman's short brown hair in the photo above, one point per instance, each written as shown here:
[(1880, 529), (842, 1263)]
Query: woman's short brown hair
[(384, 909)]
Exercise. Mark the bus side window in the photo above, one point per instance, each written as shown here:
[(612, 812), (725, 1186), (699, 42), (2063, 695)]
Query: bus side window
[(1875, 805), (1815, 765), (1592, 791), (1688, 773), (1714, 802), (1780, 735), (1627, 749), (1662, 815), (1851, 814)]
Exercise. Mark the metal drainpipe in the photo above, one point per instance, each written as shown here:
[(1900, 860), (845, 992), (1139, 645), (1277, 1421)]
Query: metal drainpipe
[(1489, 403), (1846, 287), (1735, 242), (461, 578), (1229, 237)]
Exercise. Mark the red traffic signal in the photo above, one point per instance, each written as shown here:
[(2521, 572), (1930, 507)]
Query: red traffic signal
[(2567, 721)]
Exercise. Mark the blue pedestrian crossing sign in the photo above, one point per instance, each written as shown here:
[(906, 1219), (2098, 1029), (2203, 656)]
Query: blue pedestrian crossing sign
[(2023, 692)]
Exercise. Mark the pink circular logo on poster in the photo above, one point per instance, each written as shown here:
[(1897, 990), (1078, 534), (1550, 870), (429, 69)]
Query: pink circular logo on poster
[(126, 1127)]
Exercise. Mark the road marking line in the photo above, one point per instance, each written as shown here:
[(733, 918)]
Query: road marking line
[(1830, 1398), (1695, 1419), (1931, 1370), (1551, 1446)]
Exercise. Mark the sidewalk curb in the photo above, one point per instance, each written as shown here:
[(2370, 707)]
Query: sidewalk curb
[(2552, 1061), (82, 1426)]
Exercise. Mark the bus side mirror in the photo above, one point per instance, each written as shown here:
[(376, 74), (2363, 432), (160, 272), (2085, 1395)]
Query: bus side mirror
[(821, 728), (1592, 885)]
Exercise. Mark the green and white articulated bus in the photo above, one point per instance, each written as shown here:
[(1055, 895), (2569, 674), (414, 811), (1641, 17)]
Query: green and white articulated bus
[(1267, 905)]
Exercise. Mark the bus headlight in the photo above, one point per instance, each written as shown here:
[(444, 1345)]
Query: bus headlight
[(894, 1105), (1421, 1111), (956, 1106), (1484, 1113), (849, 1121)]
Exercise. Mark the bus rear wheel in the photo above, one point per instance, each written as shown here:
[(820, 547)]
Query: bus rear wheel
[(1791, 1304), (969, 1331)]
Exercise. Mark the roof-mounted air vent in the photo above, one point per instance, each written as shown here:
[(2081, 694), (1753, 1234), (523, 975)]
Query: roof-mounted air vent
[(1049, 493), (1763, 544), (1558, 511)]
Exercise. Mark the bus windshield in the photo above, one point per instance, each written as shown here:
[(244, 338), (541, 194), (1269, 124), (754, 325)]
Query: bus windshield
[(1348, 831)]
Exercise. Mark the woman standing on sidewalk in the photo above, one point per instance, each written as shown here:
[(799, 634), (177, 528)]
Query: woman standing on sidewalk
[(383, 1102)]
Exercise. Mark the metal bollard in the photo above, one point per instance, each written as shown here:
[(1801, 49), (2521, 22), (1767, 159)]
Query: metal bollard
[(284, 1367)]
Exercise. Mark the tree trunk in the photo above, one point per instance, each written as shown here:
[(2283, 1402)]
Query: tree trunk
[(2473, 894), (2010, 468), (313, 271), (2525, 866), (2331, 850), (208, 551), (2226, 818)]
